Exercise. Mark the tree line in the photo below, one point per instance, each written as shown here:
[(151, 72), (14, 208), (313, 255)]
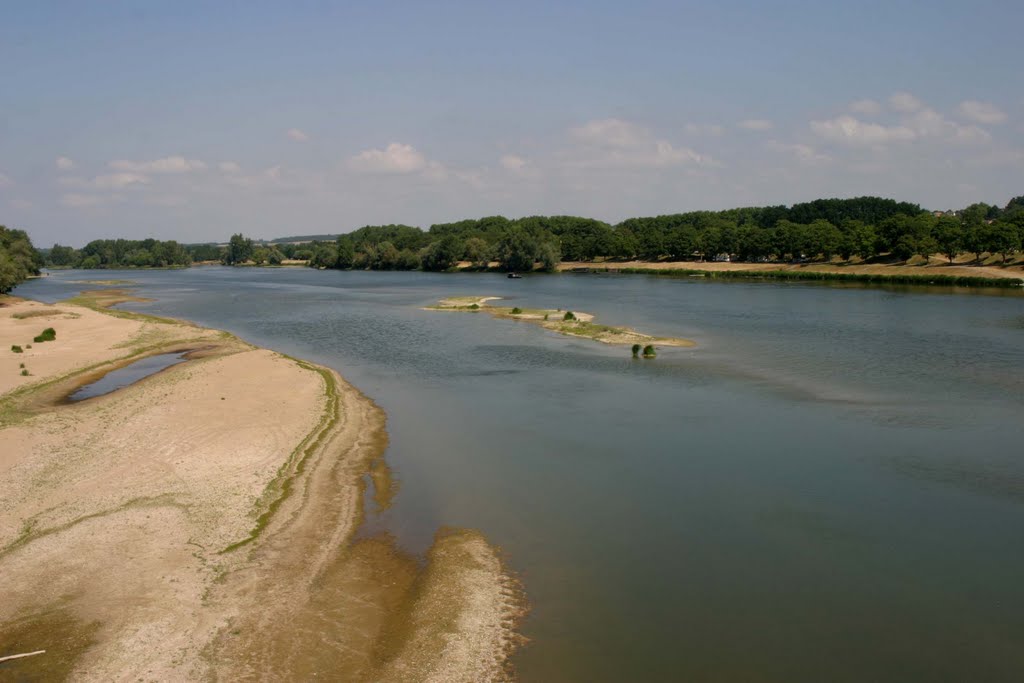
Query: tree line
[(863, 227), (18, 258), (119, 253)]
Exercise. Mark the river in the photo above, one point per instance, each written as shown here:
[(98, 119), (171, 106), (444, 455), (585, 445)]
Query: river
[(829, 486)]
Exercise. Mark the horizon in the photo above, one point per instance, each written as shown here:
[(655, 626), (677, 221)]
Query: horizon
[(179, 121)]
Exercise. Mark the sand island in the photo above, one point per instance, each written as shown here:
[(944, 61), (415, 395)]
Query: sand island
[(201, 522), (569, 323)]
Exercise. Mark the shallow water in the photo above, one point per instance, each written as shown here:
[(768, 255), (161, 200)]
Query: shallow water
[(829, 487), (129, 374)]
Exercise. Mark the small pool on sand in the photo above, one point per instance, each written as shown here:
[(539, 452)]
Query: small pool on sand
[(129, 374)]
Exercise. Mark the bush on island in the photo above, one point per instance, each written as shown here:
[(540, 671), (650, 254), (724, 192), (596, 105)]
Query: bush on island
[(649, 351), (516, 310), (636, 350), (568, 316)]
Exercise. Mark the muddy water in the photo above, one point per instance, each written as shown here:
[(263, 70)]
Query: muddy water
[(828, 487)]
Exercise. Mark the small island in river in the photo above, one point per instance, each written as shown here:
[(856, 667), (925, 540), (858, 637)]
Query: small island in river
[(569, 323)]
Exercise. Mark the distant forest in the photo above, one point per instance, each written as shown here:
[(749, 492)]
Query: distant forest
[(864, 227)]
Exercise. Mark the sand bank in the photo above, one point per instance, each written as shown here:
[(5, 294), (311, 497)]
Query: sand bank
[(921, 267), (579, 325), (200, 523)]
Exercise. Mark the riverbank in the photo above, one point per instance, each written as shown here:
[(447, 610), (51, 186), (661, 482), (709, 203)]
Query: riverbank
[(194, 525), (933, 271)]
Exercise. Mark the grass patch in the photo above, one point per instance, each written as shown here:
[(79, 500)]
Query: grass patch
[(282, 486), (38, 313), (17, 349)]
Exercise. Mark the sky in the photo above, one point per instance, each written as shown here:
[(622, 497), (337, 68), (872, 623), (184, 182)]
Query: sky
[(195, 120)]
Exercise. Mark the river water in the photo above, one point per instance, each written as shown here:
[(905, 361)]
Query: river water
[(830, 486)]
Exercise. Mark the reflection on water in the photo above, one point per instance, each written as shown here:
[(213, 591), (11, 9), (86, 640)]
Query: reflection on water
[(827, 488)]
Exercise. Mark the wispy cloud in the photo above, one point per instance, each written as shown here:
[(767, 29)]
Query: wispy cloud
[(395, 158), (904, 102), (849, 130), (868, 107), (296, 135), (756, 124), (982, 112), (608, 143), (172, 164), (64, 164), (77, 200), (229, 167)]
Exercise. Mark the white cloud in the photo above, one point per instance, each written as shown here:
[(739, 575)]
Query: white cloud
[(5, 180), (119, 181), (610, 133), (905, 102), (849, 130), (296, 135), (229, 167), (704, 129), (174, 164), (511, 162), (80, 201), (982, 112), (805, 154), (395, 158), (64, 164), (608, 143), (869, 107), (930, 123), (756, 124)]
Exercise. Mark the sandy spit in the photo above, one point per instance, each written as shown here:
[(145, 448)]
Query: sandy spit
[(921, 267), (200, 524)]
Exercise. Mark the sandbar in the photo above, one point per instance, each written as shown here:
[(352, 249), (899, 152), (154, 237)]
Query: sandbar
[(201, 523)]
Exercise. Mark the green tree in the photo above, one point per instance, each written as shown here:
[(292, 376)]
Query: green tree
[(1002, 238), (516, 250), (443, 254), (477, 252), (240, 249), (949, 235)]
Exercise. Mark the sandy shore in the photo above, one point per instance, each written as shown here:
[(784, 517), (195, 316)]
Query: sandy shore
[(934, 266), (200, 523)]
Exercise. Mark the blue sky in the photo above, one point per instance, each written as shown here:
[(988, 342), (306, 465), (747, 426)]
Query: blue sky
[(196, 120)]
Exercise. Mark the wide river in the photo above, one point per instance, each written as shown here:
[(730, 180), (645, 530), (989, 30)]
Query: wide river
[(829, 487)]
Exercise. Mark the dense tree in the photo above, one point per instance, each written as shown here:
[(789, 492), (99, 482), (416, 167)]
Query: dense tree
[(443, 254), (18, 258), (516, 250), (1001, 238), (949, 235), (240, 249)]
